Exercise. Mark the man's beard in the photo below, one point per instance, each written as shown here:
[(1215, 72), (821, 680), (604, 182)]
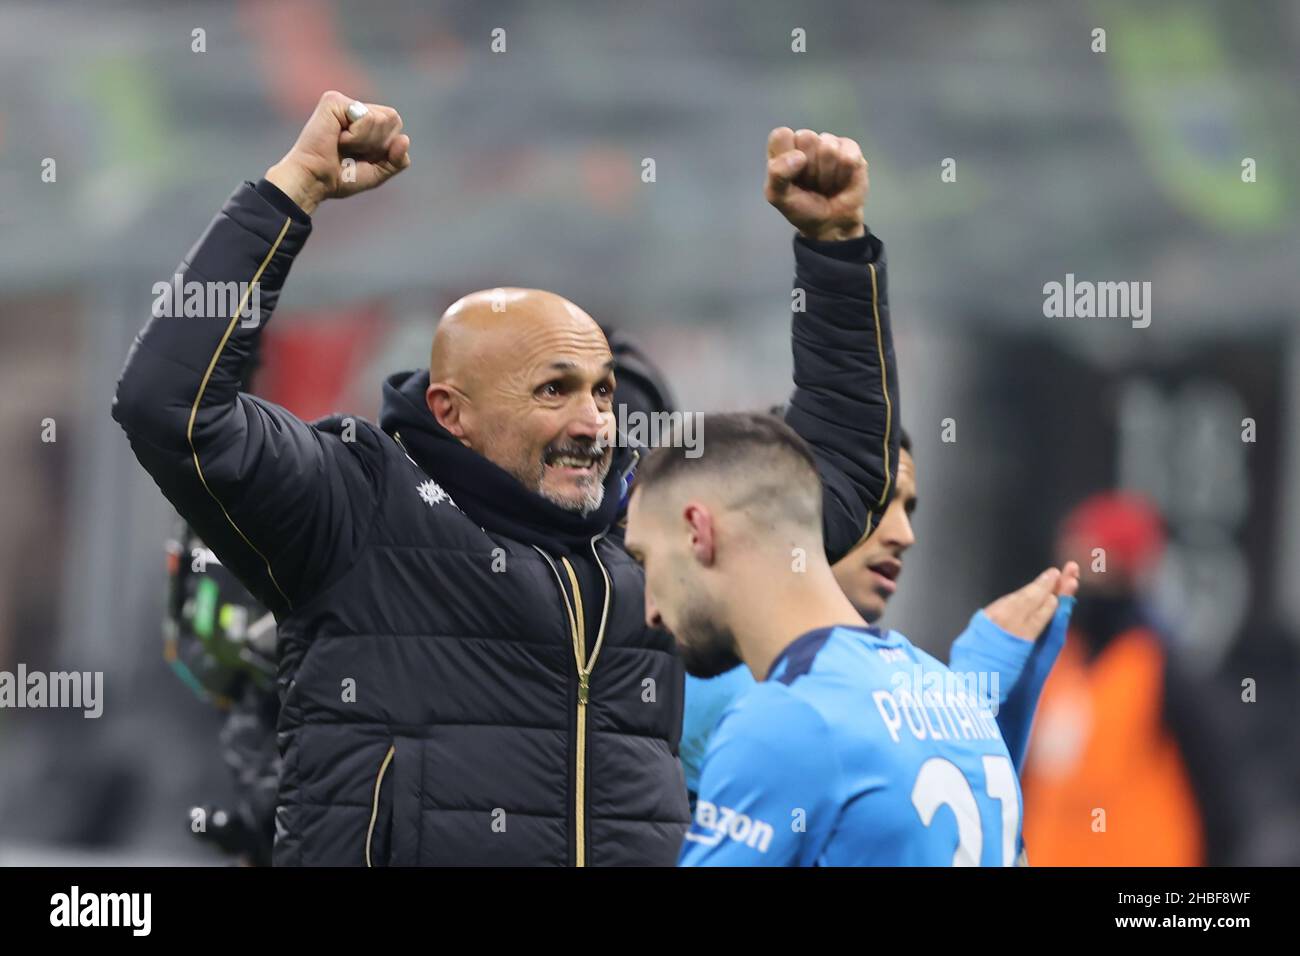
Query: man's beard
[(532, 475), (593, 490), (593, 494), (711, 649), (592, 498)]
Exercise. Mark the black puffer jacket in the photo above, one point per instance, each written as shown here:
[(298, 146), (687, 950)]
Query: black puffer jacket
[(465, 672)]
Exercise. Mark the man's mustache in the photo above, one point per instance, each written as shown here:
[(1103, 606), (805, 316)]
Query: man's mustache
[(593, 452)]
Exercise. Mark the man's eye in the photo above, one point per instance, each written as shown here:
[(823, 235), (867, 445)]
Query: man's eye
[(549, 390), (605, 391)]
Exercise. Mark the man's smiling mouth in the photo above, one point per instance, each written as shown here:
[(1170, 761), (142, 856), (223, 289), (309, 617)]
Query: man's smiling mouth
[(576, 459), (567, 461)]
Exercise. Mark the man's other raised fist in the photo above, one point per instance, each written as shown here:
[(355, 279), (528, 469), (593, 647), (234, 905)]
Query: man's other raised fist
[(819, 183), (337, 155)]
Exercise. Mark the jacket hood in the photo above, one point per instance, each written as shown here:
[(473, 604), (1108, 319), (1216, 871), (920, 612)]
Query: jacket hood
[(487, 493)]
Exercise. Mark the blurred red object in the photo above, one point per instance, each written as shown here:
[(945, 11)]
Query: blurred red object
[(1126, 525)]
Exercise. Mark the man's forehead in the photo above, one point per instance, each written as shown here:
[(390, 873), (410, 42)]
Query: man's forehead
[(547, 343), (565, 365), (906, 470), (560, 338), (515, 331)]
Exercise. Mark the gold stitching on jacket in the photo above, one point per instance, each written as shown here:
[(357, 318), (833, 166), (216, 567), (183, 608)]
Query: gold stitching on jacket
[(884, 382), (889, 406), (194, 409)]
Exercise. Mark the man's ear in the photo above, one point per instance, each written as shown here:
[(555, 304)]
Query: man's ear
[(699, 526), (446, 404)]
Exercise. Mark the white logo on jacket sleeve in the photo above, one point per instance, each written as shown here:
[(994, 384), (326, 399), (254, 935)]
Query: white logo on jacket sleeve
[(719, 822), (433, 493)]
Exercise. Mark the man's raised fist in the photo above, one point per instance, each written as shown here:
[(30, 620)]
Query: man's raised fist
[(337, 155), (819, 183)]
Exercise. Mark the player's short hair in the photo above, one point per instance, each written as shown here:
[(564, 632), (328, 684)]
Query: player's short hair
[(759, 464)]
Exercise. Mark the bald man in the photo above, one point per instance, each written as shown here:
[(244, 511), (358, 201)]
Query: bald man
[(489, 352), (466, 674)]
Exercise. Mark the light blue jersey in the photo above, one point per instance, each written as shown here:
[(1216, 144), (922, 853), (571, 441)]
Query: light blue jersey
[(706, 700), (1021, 666), (858, 749)]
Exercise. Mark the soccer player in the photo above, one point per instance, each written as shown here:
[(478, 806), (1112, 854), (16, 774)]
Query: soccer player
[(868, 575), (996, 641), (853, 747)]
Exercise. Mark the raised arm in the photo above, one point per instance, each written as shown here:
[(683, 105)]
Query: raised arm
[(845, 401), (1016, 640), (282, 503)]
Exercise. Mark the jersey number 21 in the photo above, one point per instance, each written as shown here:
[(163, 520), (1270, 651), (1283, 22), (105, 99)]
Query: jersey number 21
[(940, 783)]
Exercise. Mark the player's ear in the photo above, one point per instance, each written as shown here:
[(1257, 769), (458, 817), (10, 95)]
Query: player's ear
[(445, 405), (699, 528)]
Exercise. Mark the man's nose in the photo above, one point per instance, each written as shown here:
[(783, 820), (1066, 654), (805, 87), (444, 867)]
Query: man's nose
[(589, 421), (906, 537), (895, 530)]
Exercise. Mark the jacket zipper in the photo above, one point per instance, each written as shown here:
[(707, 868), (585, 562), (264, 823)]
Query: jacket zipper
[(577, 629), (374, 808)]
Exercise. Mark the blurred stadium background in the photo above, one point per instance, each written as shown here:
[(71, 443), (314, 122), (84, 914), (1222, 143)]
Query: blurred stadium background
[(1117, 166)]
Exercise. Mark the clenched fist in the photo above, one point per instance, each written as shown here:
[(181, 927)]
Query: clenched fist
[(1026, 612), (313, 170), (819, 183)]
